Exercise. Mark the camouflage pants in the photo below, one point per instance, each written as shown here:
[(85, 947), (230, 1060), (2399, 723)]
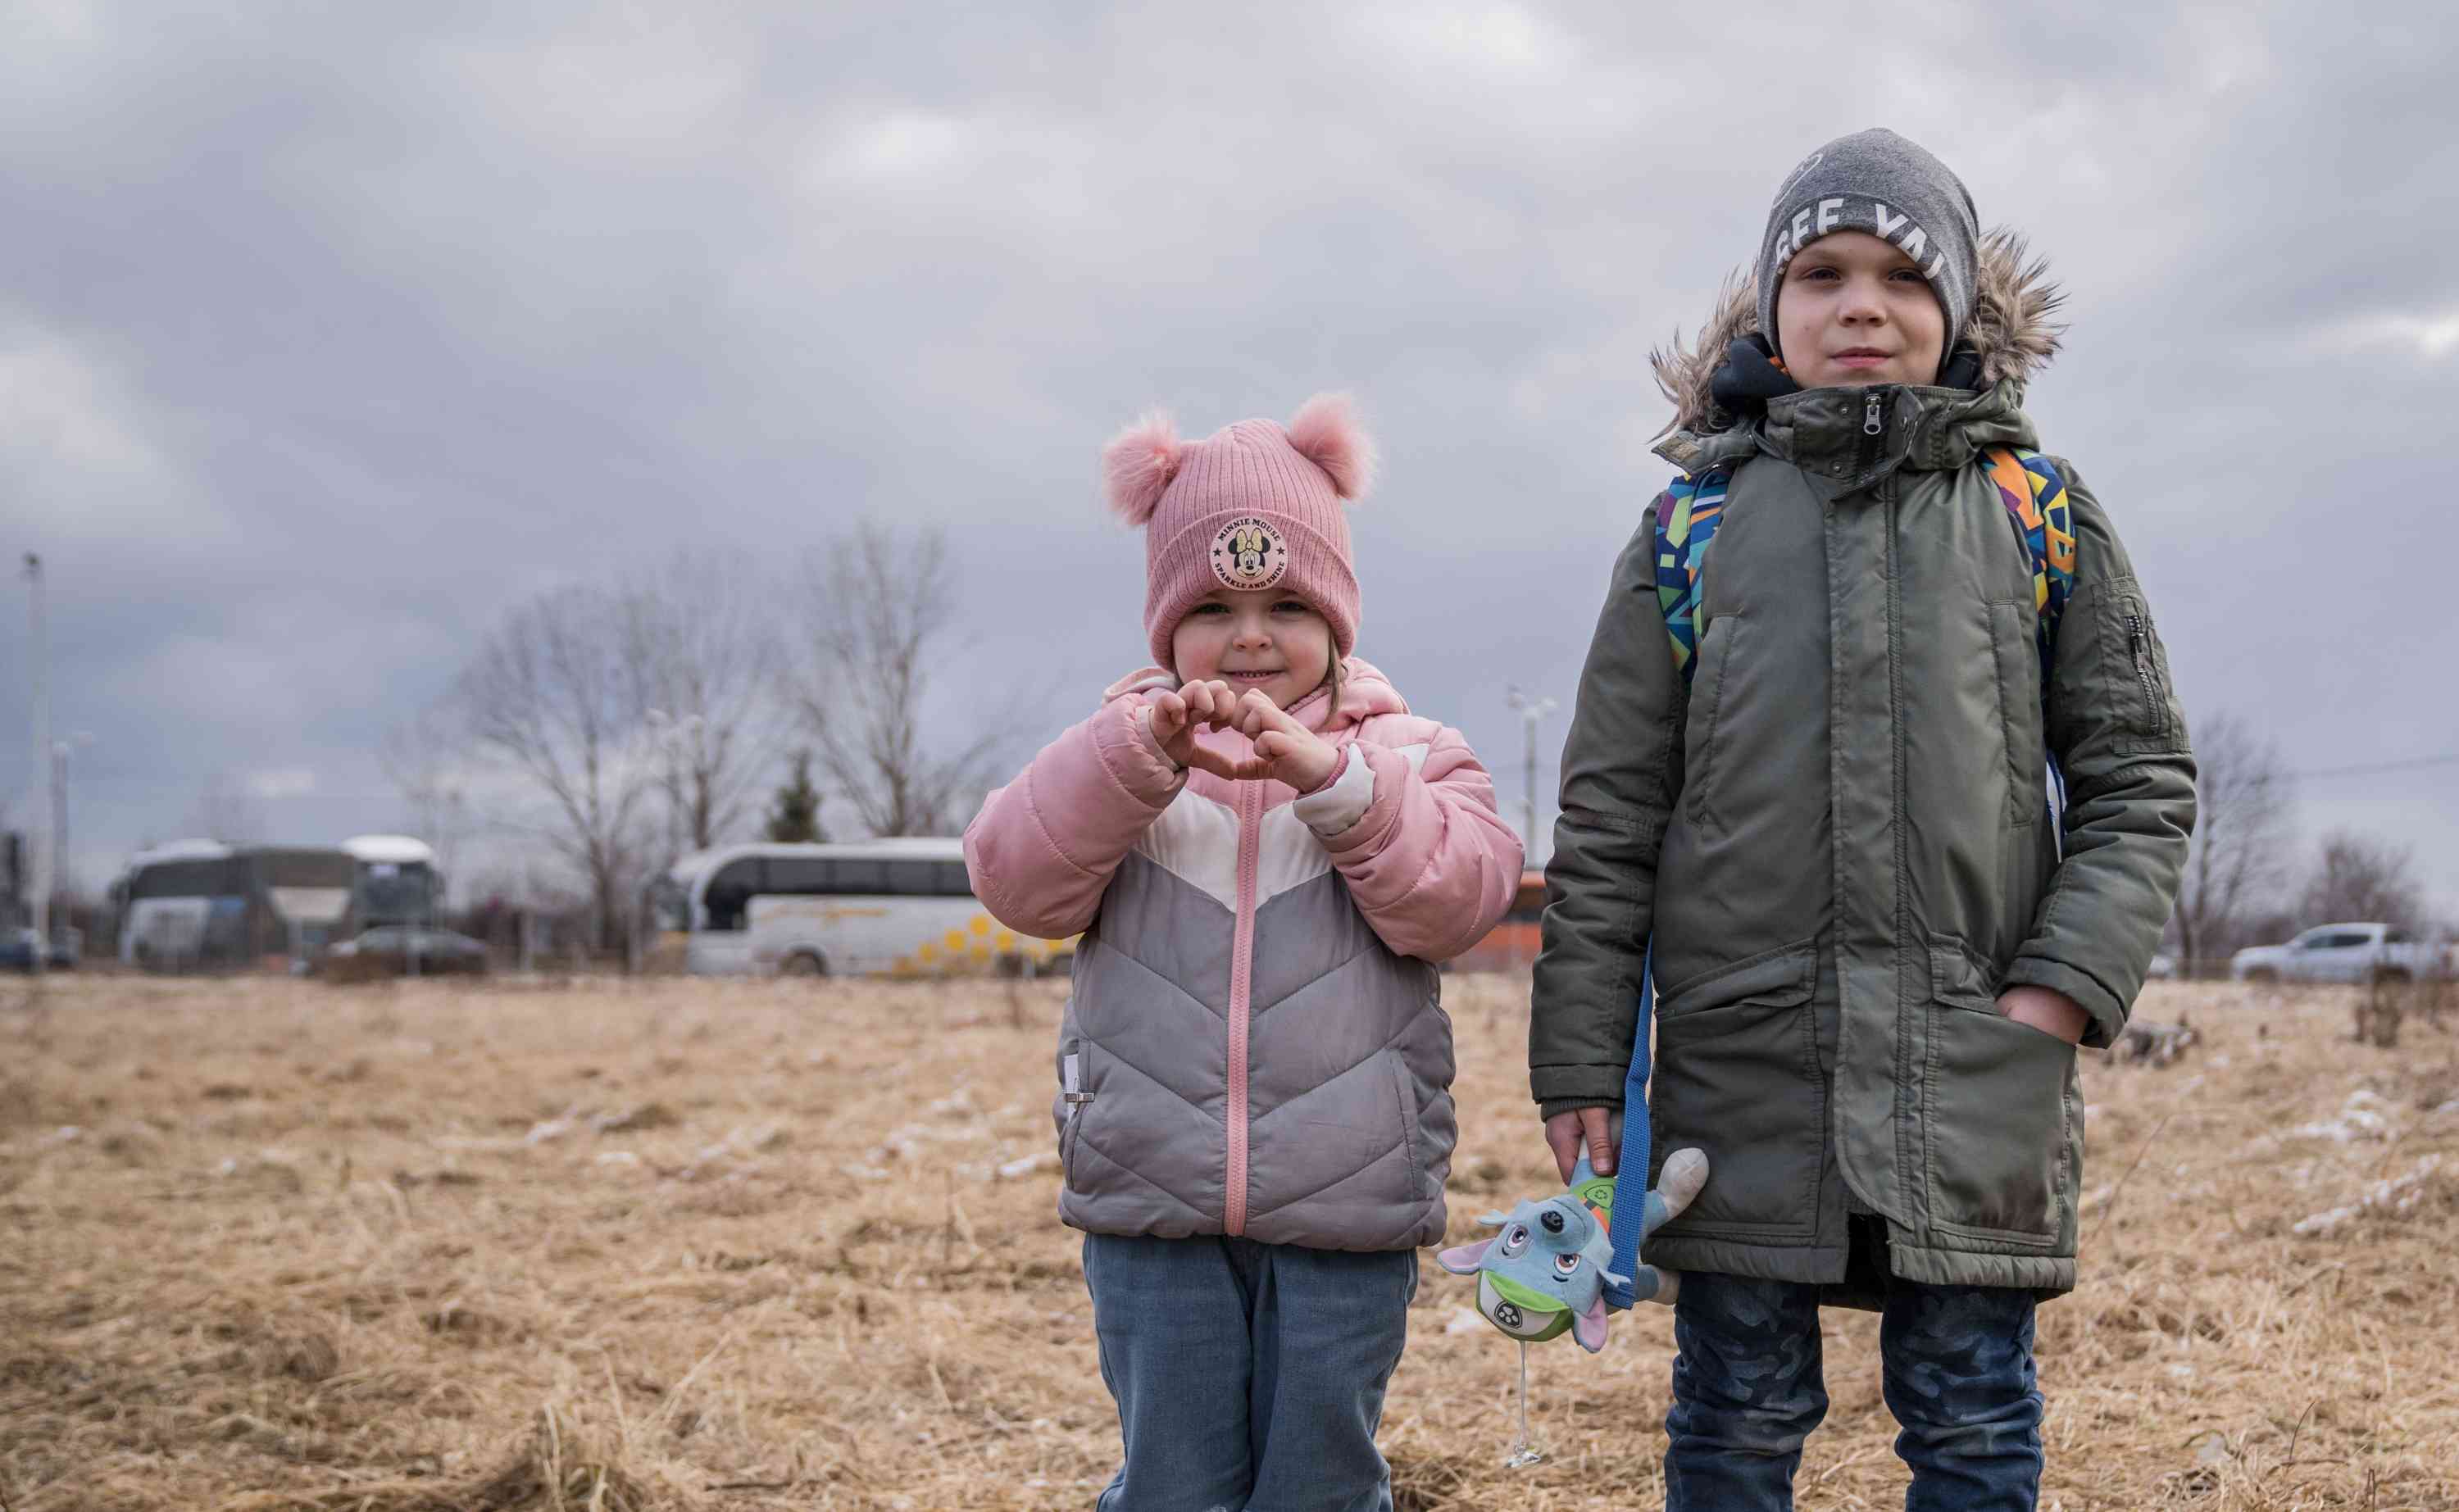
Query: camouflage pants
[(1747, 1391)]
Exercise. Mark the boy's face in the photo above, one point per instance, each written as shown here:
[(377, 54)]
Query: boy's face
[(1854, 310), (1276, 641)]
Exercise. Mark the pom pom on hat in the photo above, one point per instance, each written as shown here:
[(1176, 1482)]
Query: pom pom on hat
[(1138, 465), (1326, 432)]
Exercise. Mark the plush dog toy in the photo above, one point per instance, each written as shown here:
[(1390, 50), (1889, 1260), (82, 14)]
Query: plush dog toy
[(1547, 1273)]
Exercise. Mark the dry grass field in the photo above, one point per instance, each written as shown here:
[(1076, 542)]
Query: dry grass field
[(267, 1245)]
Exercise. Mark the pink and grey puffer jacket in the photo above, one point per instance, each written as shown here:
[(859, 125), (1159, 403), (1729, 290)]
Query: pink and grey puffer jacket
[(1255, 1044)]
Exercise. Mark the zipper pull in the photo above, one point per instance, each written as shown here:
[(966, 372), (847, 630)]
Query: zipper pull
[(1870, 413)]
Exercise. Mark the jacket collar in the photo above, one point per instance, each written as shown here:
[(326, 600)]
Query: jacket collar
[(1852, 437)]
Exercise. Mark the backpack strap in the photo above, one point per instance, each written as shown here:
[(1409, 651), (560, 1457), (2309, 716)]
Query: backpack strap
[(2035, 497), (1687, 516)]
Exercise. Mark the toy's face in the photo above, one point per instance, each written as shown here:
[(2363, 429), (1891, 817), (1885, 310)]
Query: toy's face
[(1544, 1274)]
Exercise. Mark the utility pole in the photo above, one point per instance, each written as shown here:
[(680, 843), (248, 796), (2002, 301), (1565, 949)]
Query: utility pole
[(61, 881), (42, 751), (1531, 710)]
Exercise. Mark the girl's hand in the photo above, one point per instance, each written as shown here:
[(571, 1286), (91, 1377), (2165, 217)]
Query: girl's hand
[(2046, 1009), (1177, 716), (1284, 750)]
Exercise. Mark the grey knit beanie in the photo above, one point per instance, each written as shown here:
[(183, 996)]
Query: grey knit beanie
[(1876, 181)]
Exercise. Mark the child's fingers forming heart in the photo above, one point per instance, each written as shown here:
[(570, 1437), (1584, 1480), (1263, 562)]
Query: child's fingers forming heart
[(1245, 768), (1257, 713), (1209, 703), (1168, 717), (1289, 752)]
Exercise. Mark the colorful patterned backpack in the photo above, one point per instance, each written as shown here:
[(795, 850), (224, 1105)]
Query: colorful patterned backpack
[(2028, 485), (1687, 516)]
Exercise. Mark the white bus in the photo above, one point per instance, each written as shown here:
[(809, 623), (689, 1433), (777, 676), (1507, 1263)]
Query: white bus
[(201, 905), (872, 907)]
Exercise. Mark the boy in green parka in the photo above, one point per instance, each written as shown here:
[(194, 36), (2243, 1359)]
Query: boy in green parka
[(1879, 935)]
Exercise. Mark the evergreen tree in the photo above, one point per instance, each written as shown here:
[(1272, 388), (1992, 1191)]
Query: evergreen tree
[(795, 814)]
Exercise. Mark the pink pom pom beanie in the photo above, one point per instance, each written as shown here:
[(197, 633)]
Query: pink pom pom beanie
[(1256, 506)]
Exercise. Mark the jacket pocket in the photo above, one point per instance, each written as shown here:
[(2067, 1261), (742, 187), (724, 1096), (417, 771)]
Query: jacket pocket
[(1411, 1138), (1995, 1112), (2133, 671), (2016, 645), (1075, 1099), (1707, 704), (1736, 1075)]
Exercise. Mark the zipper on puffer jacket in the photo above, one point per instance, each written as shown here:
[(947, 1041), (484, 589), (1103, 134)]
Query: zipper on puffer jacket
[(1242, 973)]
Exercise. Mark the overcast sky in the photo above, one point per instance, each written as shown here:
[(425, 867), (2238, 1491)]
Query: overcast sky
[(329, 333)]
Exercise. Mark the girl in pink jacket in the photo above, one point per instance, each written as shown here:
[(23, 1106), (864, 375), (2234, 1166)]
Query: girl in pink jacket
[(1266, 852)]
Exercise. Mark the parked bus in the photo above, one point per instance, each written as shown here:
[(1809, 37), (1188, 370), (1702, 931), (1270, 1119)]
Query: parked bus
[(894, 907), (198, 905)]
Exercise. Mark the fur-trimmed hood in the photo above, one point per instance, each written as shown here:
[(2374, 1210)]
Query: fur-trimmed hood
[(2010, 332)]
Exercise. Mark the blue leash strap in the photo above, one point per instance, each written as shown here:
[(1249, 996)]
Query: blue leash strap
[(1630, 1169)]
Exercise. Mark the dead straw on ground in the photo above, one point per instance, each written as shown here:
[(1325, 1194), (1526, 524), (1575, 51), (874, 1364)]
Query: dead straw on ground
[(676, 1246)]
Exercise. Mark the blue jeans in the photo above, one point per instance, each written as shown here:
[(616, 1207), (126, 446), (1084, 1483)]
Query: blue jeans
[(1957, 1362), (1249, 1376)]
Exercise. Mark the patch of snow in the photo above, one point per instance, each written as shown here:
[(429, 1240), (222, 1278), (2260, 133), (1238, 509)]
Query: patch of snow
[(2395, 1194), (2361, 1118)]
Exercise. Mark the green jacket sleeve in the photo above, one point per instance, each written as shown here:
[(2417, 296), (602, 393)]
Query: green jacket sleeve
[(1621, 772), (2120, 737)]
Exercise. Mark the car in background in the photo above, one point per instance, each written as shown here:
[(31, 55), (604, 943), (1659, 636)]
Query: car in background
[(2341, 953), (403, 950), (17, 947)]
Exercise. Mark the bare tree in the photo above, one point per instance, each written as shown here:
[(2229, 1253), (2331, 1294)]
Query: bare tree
[(701, 628), (427, 757), (224, 811), (558, 695), (2239, 856), (2361, 878), (882, 614)]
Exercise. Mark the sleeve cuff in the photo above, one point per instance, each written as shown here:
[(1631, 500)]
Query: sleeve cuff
[(2108, 1014), (1575, 1086), (1144, 737), (1341, 802)]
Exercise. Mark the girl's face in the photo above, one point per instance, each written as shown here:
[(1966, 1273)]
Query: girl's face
[(1270, 640), (1853, 310)]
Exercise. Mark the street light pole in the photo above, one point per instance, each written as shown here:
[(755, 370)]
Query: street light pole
[(42, 810)]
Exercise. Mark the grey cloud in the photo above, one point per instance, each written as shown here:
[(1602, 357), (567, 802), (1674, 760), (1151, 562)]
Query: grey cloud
[(403, 315)]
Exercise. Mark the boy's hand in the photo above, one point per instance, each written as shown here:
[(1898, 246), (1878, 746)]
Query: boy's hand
[(1177, 716), (2046, 1009), (1566, 1132)]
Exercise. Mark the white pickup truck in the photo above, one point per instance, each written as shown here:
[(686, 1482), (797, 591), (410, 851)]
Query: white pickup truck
[(2342, 953)]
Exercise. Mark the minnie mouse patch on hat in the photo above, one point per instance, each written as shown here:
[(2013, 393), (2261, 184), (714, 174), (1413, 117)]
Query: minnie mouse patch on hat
[(1250, 553)]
